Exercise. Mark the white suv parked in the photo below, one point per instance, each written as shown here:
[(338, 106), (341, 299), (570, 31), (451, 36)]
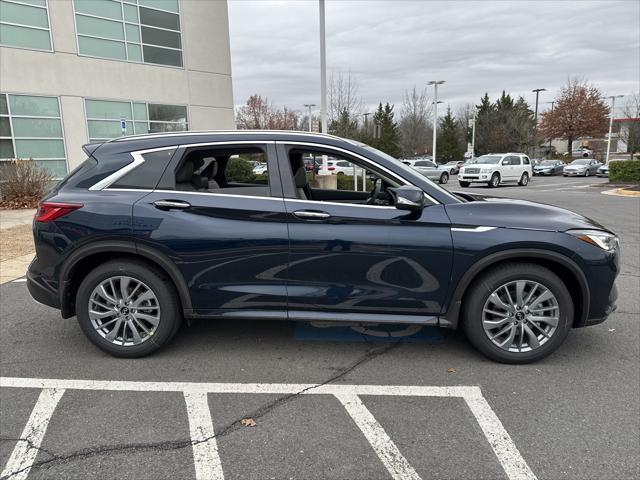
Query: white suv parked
[(497, 168)]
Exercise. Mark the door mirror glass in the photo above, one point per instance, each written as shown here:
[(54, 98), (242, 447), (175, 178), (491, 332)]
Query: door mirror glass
[(408, 197)]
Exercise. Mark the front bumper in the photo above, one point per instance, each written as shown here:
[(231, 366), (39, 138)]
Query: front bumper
[(574, 173), (474, 177), (610, 308)]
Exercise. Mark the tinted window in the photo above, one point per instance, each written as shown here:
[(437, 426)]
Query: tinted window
[(514, 160), (147, 175), (526, 160)]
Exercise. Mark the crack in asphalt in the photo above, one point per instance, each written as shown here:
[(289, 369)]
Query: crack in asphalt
[(57, 459)]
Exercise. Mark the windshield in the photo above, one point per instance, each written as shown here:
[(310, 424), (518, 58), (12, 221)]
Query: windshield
[(580, 162), (548, 163), (491, 159), (407, 172)]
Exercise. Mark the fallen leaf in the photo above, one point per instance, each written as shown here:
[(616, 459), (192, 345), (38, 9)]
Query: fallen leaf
[(612, 329), (451, 370), (248, 422)]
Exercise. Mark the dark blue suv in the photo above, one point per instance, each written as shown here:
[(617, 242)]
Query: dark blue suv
[(152, 231)]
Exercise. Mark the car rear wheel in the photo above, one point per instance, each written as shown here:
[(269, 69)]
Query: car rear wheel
[(495, 180), (524, 180), (517, 313), (127, 308), (464, 184), (444, 178)]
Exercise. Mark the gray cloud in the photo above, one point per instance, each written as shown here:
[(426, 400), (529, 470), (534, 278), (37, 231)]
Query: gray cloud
[(476, 46)]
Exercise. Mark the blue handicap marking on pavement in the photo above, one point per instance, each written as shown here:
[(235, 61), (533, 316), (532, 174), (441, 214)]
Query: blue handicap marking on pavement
[(333, 332)]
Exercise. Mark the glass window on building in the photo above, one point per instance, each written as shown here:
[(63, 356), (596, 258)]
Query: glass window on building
[(25, 24), (31, 127), (106, 118), (133, 30)]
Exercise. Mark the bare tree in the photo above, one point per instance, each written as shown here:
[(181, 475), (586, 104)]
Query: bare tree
[(415, 131), (344, 104), (259, 114), (464, 116), (629, 131)]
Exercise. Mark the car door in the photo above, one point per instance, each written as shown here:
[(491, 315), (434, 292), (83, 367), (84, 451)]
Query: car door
[(228, 237), (349, 260), (506, 171)]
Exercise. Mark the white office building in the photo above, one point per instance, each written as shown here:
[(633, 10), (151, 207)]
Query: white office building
[(77, 71)]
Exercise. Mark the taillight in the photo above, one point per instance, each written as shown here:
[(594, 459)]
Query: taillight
[(50, 211), (331, 168)]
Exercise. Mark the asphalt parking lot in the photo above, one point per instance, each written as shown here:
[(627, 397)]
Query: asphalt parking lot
[(328, 403)]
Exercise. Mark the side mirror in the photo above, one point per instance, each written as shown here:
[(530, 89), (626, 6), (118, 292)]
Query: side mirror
[(409, 197)]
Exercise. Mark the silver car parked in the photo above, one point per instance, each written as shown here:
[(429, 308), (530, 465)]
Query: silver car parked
[(429, 169)]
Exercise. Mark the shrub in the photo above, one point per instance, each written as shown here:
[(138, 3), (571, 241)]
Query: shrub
[(624, 171), (239, 170), (23, 183), (345, 182)]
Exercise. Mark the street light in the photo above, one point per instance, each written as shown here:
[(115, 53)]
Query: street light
[(435, 84), (613, 105), (309, 105), (323, 84), (535, 128)]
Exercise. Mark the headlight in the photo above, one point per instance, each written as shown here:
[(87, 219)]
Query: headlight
[(604, 240), (461, 170), (486, 170)]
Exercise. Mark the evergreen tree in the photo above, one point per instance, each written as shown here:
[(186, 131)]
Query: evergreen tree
[(389, 134), (345, 125), (449, 145)]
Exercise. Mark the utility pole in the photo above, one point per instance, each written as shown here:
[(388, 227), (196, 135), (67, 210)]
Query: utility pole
[(323, 84), (309, 105), (613, 106), (435, 84), (473, 133), (535, 121)]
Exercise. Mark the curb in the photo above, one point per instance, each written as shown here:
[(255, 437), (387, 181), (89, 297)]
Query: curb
[(622, 192)]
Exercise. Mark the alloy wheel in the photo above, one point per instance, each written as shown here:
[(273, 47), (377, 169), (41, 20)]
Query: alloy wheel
[(520, 316), (124, 311)]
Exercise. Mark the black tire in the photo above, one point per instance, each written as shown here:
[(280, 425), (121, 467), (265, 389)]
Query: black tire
[(340, 173), (444, 178), (464, 184), (587, 172), (481, 289), (524, 180), (161, 286), (495, 180)]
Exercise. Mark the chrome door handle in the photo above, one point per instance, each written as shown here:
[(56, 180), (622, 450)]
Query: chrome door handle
[(171, 204), (311, 215)]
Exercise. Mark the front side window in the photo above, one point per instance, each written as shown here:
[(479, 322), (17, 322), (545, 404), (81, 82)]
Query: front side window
[(31, 128), (145, 31), (108, 119), (25, 24)]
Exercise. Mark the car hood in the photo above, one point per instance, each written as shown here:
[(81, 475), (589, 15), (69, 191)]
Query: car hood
[(575, 167), (488, 211), (481, 165), (543, 167)]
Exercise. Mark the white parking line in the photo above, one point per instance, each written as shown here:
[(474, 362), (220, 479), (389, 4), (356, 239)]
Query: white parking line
[(205, 453), (205, 447), (384, 447), (26, 450)]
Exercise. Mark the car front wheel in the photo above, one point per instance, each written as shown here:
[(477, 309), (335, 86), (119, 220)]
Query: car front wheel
[(495, 180), (128, 308), (444, 178), (517, 313), (587, 173)]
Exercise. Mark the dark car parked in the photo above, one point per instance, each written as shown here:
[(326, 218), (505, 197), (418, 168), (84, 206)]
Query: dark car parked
[(152, 231), (549, 167)]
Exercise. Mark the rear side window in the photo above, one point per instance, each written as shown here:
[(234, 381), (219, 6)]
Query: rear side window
[(147, 175), (526, 161), (515, 160), (84, 167)]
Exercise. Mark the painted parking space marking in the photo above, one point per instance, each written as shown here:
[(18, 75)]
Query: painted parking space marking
[(26, 450), (204, 448)]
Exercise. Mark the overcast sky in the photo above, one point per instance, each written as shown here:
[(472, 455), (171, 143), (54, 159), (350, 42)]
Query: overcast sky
[(476, 46)]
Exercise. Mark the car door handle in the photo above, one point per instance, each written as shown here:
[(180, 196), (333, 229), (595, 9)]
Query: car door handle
[(311, 215), (171, 204)]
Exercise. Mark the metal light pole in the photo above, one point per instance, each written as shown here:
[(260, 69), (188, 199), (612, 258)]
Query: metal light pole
[(323, 84), (613, 105), (473, 133), (535, 121), (309, 105), (435, 84), (552, 104)]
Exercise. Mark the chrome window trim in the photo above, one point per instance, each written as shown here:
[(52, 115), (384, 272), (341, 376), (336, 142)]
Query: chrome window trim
[(479, 229), (214, 194), (322, 202)]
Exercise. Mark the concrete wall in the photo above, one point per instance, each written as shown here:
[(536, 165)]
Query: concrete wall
[(204, 84)]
